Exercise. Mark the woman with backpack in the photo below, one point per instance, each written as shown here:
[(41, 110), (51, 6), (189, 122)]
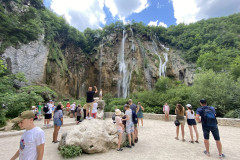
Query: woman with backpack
[(191, 123), (179, 111), (58, 122)]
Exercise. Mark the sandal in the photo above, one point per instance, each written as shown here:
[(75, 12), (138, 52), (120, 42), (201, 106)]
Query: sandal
[(176, 138), (191, 141), (183, 140), (196, 141), (120, 149), (56, 142)]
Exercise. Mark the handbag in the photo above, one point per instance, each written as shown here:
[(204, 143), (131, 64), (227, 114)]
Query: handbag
[(176, 122)]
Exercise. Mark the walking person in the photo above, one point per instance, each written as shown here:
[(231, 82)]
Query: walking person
[(32, 140), (48, 113), (133, 107), (140, 109), (79, 113), (73, 107), (209, 124), (58, 122), (179, 111), (191, 123), (120, 128), (39, 107), (90, 100), (166, 110)]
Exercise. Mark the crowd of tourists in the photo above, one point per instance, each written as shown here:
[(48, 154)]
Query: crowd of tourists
[(33, 139)]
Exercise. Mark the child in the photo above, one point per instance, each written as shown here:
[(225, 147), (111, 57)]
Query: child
[(79, 113), (191, 122), (120, 128), (94, 110), (32, 140)]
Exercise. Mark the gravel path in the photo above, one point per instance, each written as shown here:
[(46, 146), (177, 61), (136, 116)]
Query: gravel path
[(156, 142)]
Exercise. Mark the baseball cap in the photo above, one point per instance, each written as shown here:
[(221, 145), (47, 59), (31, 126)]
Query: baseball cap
[(117, 112), (189, 105), (23, 115), (203, 101)]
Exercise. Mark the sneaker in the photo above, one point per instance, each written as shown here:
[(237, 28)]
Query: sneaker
[(221, 156), (206, 153), (133, 144), (120, 149), (87, 117), (128, 146), (90, 118)]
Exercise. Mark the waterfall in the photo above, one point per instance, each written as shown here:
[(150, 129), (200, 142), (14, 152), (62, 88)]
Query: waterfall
[(123, 79), (165, 54), (100, 66), (133, 46), (155, 48)]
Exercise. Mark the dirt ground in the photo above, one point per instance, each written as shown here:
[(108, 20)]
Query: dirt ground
[(156, 142)]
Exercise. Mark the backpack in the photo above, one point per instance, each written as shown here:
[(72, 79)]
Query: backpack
[(209, 117), (134, 117), (113, 118), (46, 108)]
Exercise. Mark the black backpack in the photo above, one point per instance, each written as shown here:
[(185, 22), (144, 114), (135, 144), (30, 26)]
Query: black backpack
[(134, 117), (46, 108)]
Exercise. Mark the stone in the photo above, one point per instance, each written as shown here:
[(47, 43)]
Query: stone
[(100, 112), (93, 136)]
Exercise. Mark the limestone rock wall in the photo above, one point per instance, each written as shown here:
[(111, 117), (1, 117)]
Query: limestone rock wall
[(28, 58)]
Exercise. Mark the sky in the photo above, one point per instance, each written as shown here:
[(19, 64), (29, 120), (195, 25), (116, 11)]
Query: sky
[(98, 13)]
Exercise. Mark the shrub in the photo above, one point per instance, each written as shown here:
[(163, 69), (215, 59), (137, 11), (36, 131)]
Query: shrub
[(70, 151)]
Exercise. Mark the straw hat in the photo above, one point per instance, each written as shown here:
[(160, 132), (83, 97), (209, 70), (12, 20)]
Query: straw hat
[(117, 112)]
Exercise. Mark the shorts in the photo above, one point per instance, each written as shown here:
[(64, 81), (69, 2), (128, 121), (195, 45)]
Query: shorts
[(120, 131), (214, 130), (72, 111), (57, 122), (78, 118), (48, 116), (191, 122), (39, 113), (94, 115), (129, 128), (182, 122), (166, 112), (89, 106), (135, 125)]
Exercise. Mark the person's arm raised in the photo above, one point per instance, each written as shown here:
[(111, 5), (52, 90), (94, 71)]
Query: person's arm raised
[(95, 89)]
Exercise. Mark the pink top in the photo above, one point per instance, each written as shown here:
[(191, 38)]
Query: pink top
[(166, 108), (118, 122)]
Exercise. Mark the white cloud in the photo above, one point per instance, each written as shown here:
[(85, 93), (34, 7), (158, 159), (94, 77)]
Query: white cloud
[(81, 14), (188, 11), (155, 23), (124, 8)]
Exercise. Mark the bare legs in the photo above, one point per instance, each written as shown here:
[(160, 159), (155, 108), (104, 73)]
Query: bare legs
[(177, 131), (119, 140), (191, 132), (129, 138), (141, 121), (196, 131), (55, 133)]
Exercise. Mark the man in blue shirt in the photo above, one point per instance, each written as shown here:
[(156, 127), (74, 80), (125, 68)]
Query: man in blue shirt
[(201, 112)]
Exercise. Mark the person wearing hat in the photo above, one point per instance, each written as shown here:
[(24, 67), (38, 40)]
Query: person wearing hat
[(120, 128), (191, 123), (32, 140)]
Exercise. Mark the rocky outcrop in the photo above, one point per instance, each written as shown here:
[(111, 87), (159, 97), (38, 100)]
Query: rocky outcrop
[(93, 136), (28, 58)]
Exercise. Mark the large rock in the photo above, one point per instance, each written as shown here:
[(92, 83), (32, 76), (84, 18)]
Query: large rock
[(100, 112), (93, 136)]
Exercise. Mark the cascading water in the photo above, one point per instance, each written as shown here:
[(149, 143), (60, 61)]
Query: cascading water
[(122, 81), (133, 46), (155, 48), (100, 66)]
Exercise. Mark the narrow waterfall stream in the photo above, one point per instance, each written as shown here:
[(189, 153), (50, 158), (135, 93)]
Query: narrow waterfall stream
[(122, 81), (100, 65)]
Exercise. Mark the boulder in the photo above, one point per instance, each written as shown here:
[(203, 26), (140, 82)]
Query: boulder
[(100, 112), (93, 136)]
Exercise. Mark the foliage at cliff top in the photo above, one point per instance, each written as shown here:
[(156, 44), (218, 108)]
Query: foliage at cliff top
[(212, 44)]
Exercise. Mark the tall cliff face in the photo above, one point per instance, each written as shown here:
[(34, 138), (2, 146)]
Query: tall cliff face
[(124, 62)]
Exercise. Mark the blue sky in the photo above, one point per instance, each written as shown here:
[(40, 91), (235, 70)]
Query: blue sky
[(97, 13)]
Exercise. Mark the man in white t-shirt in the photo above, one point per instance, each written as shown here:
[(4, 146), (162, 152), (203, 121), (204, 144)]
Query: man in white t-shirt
[(94, 110), (73, 107), (33, 139)]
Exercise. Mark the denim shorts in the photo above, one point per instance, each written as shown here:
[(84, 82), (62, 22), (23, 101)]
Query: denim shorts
[(214, 130), (57, 122)]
